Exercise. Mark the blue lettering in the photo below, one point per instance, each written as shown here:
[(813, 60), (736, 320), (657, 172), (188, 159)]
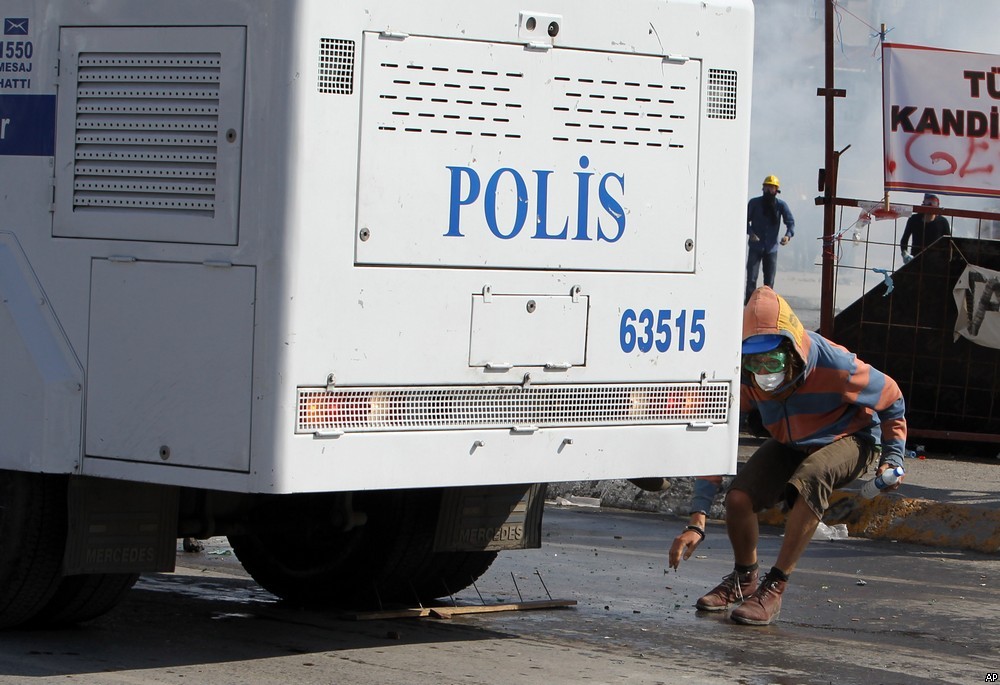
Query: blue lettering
[(465, 186), (491, 203), (543, 208), (456, 192), (582, 200), (612, 206)]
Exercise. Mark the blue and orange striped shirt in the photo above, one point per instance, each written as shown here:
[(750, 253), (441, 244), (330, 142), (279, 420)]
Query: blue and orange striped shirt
[(834, 396)]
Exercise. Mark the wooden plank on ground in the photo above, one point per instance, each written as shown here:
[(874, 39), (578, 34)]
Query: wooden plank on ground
[(391, 613), (448, 612)]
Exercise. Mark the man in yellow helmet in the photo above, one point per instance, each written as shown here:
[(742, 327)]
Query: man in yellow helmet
[(764, 217)]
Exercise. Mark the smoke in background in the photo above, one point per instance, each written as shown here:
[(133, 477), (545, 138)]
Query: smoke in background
[(787, 126)]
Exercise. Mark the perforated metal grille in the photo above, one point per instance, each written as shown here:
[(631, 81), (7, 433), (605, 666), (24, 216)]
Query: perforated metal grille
[(614, 112), (336, 66), (721, 94), (147, 131), (502, 92), (433, 98), (398, 409)]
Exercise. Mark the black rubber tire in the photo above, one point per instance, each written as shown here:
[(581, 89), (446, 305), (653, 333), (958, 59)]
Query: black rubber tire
[(451, 572), (290, 552), (389, 560), (82, 598), (32, 540)]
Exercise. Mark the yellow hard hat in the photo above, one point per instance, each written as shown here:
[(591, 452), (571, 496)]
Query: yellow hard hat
[(772, 180)]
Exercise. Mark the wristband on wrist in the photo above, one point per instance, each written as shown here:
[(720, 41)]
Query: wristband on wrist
[(698, 530)]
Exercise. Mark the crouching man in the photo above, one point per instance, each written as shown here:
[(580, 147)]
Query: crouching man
[(830, 417)]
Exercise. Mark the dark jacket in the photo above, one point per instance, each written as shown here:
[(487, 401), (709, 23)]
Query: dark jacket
[(765, 223), (923, 233)]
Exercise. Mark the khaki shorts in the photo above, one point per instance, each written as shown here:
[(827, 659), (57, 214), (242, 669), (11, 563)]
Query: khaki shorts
[(776, 472)]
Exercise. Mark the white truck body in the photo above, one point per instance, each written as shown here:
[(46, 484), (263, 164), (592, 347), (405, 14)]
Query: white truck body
[(315, 247)]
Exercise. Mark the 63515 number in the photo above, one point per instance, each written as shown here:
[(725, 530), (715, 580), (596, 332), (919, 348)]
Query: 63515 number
[(665, 329)]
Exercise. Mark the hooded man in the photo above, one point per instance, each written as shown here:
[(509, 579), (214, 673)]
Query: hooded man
[(830, 417), (764, 217)]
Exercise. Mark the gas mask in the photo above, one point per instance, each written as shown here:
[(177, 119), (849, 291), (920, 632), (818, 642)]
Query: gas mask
[(768, 368), (769, 382)]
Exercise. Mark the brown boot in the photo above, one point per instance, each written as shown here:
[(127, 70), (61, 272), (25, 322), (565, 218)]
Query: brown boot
[(764, 605), (731, 590)]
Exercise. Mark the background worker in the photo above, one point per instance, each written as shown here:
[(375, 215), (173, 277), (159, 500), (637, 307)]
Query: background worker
[(924, 229), (764, 217)]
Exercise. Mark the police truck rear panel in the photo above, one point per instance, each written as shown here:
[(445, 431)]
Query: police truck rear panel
[(356, 276)]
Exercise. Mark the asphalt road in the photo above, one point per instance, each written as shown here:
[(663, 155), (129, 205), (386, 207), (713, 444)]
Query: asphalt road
[(857, 611)]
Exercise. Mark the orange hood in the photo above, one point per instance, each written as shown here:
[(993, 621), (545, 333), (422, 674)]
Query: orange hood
[(767, 313)]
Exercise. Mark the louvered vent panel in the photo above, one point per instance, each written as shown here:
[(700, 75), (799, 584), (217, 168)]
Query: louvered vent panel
[(626, 112), (721, 94), (147, 132), (463, 101), (459, 89), (506, 139)]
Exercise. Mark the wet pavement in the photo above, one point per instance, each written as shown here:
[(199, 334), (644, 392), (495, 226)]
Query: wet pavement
[(857, 611), (904, 600)]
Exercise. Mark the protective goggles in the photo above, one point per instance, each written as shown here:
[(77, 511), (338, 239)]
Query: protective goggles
[(773, 361)]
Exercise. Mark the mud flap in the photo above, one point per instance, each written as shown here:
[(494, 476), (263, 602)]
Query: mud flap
[(490, 518), (120, 527)]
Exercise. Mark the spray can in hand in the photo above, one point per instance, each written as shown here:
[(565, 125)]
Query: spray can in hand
[(882, 481)]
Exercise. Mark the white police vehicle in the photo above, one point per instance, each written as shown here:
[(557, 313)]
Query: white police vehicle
[(346, 282)]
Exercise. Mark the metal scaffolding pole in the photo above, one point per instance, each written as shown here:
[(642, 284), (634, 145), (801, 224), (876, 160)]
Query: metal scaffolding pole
[(828, 183)]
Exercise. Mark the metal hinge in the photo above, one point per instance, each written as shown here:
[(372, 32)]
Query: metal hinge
[(499, 366)]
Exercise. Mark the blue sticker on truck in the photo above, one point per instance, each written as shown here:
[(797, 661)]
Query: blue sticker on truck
[(15, 26), (27, 125)]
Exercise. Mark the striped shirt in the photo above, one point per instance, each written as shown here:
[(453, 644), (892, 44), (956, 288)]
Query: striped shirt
[(835, 395)]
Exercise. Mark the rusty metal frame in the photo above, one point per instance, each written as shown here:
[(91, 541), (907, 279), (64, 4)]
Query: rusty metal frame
[(827, 184)]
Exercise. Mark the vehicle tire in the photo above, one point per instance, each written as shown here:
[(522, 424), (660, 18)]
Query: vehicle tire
[(389, 560), (290, 547), (450, 572), (32, 540), (82, 598)]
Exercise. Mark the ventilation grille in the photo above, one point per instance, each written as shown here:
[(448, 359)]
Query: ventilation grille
[(460, 88), (721, 94), (618, 112), (147, 131), (336, 66), (425, 98), (404, 409)]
